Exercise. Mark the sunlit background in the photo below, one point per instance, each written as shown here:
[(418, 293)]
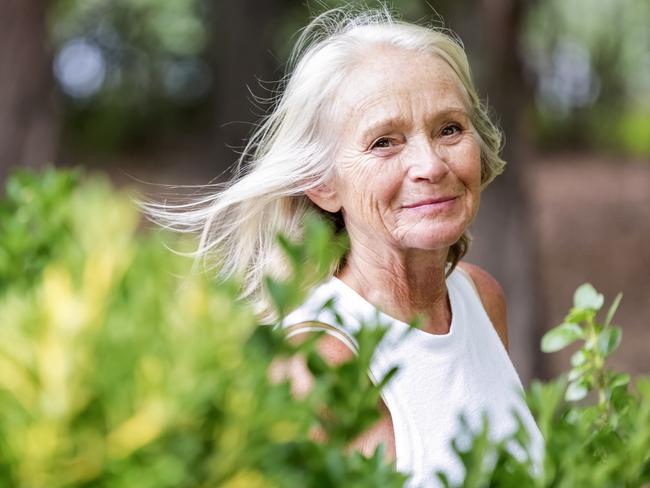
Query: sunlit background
[(165, 92)]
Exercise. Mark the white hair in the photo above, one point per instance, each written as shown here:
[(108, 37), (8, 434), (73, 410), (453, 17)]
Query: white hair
[(291, 151)]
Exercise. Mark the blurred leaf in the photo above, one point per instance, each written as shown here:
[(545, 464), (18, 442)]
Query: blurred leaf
[(586, 297), (612, 309), (561, 336), (579, 315), (576, 391), (578, 358), (575, 373), (317, 366), (292, 251), (282, 294), (608, 340), (619, 379)]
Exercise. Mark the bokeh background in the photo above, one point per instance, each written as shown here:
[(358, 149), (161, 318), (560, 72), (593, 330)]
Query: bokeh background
[(164, 92)]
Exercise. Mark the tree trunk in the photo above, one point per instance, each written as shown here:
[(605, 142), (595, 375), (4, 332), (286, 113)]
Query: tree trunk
[(29, 126), (242, 35)]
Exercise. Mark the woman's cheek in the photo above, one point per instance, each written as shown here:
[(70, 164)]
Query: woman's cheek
[(468, 157)]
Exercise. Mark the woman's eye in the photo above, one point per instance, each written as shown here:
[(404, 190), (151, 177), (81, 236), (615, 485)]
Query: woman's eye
[(451, 129), (384, 142)]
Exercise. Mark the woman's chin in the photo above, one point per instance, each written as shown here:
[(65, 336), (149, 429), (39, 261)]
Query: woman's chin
[(427, 243), (433, 239)]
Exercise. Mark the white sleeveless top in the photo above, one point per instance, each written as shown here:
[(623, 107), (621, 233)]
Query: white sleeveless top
[(467, 369)]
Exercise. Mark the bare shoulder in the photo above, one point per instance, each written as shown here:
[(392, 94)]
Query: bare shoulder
[(492, 297), (334, 352), (331, 349)]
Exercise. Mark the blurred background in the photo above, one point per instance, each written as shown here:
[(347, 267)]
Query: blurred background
[(164, 92)]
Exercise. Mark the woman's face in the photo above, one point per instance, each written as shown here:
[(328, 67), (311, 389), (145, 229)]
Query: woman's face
[(408, 160)]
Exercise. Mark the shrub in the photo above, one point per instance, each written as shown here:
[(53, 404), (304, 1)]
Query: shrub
[(601, 442), (120, 368), (117, 368)]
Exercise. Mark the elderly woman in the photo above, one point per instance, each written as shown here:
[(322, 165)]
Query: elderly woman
[(380, 128)]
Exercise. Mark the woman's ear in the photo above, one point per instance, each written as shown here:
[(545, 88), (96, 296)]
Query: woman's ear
[(325, 197)]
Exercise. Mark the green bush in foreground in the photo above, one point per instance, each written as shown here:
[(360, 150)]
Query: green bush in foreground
[(118, 368), (605, 443)]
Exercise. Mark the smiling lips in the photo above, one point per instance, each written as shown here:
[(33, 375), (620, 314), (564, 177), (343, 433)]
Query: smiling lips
[(430, 201)]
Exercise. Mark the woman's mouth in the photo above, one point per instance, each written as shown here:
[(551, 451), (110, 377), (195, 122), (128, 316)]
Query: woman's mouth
[(432, 203)]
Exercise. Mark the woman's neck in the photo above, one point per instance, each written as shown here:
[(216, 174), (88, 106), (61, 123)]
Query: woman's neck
[(402, 284)]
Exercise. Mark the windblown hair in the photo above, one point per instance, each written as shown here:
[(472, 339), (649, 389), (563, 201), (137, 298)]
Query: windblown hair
[(291, 151)]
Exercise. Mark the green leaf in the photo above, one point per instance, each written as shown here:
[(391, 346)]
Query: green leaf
[(609, 339), (642, 385), (579, 315), (574, 374), (612, 309), (291, 250), (576, 391), (316, 364), (544, 399), (561, 336), (578, 358), (444, 480), (282, 294), (586, 297), (619, 379)]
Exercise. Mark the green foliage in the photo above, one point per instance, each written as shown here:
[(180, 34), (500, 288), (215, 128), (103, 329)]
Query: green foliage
[(117, 368), (310, 261), (605, 443), (588, 57), (170, 27), (116, 372), (28, 237), (145, 69), (600, 340)]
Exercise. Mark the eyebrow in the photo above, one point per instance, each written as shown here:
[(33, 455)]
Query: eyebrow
[(390, 122)]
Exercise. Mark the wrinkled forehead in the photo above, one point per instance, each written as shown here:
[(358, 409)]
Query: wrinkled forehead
[(382, 80)]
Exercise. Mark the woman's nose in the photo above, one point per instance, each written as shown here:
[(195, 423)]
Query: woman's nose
[(427, 161)]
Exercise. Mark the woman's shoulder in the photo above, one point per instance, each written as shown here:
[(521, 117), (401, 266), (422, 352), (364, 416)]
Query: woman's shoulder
[(322, 310), (492, 297)]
